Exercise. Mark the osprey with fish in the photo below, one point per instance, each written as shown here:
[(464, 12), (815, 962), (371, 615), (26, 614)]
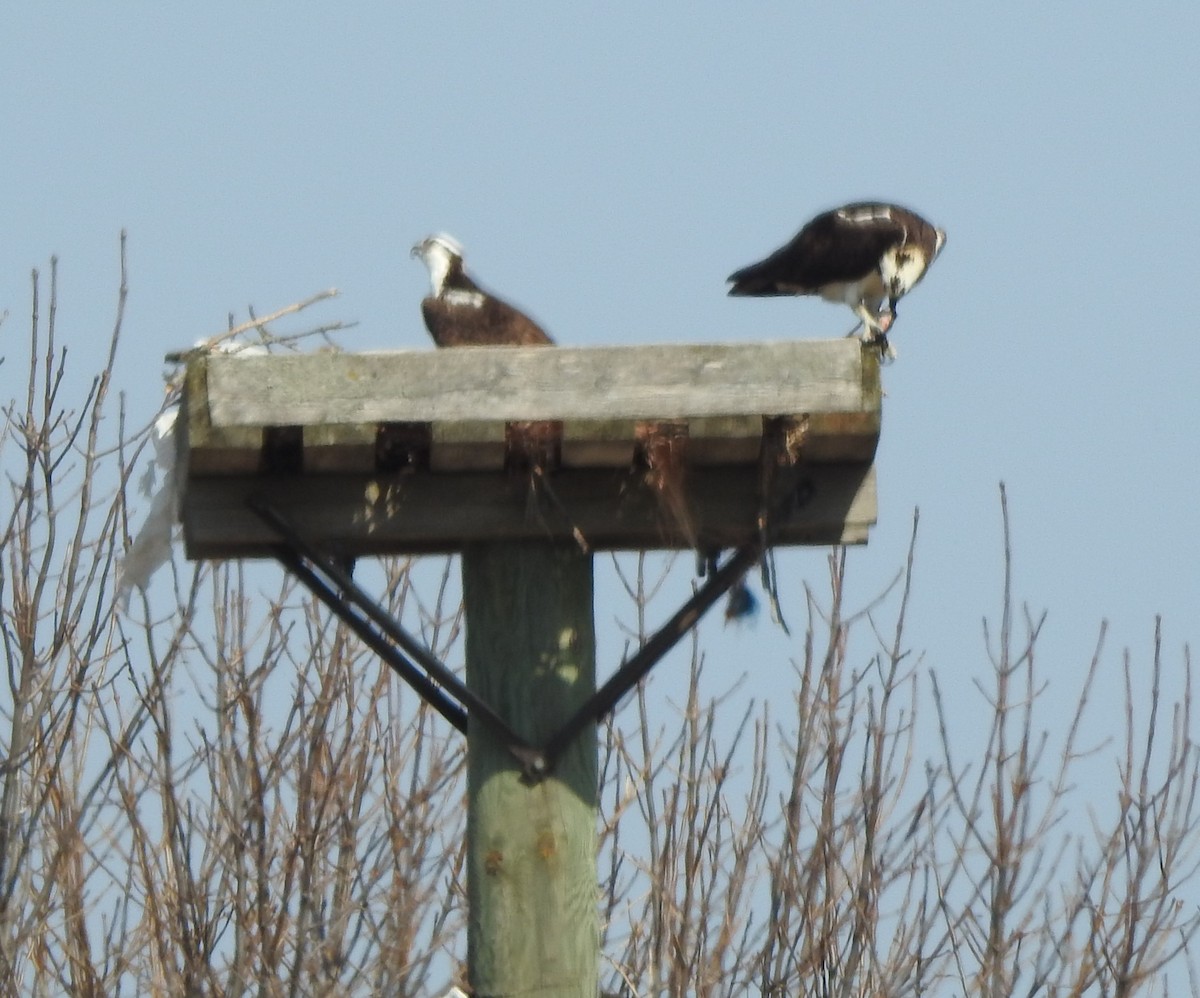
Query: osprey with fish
[(867, 255)]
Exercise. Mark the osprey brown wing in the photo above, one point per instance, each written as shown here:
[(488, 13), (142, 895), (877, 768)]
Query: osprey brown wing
[(516, 327), (831, 248), (491, 323)]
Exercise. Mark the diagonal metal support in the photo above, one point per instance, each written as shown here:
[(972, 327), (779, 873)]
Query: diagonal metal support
[(437, 684), (782, 494), (429, 691), (442, 689), (605, 699)]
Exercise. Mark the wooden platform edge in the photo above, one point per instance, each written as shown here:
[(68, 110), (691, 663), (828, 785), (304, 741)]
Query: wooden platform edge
[(656, 381), (438, 483), (440, 513), (844, 428)]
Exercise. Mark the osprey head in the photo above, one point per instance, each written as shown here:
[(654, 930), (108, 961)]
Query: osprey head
[(439, 253), (902, 266)]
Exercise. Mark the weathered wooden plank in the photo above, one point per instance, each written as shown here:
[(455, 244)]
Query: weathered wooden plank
[(340, 449), (512, 383), (314, 429), (424, 512), (841, 436), (724, 439), (475, 445), (599, 443), (205, 450), (479, 445), (285, 390)]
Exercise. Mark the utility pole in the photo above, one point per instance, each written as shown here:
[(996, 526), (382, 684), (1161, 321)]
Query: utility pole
[(531, 848)]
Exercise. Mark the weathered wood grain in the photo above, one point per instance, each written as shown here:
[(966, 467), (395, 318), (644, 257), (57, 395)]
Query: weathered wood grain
[(513, 383), (413, 451), (425, 512)]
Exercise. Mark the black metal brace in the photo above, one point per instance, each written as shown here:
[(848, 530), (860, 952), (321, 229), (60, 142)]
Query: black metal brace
[(632, 671), (450, 696), (437, 684), (440, 687)]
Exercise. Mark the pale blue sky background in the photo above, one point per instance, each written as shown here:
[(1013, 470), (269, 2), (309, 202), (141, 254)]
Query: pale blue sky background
[(608, 166)]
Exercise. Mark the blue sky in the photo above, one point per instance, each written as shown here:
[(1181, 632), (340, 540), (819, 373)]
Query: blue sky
[(606, 168)]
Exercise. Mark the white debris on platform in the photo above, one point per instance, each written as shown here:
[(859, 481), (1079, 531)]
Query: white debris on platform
[(151, 547)]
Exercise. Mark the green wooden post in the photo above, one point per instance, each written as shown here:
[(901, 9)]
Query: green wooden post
[(531, 865)]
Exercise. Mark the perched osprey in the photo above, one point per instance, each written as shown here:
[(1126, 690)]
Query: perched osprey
[(459, 312), (861, 255)]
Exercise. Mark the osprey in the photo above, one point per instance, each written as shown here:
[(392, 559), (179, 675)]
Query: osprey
[(458, 312), (861, 255)]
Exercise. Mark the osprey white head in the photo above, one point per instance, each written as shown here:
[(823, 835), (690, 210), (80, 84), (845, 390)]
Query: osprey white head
[(439, 253)]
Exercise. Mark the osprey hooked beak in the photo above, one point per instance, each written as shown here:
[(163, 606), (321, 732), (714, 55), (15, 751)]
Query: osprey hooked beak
[(440, 253)]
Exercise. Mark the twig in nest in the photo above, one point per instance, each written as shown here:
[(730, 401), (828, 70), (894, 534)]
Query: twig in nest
[(535, 446), (663, 448), (782, 449), (540, 480), (260, 323)]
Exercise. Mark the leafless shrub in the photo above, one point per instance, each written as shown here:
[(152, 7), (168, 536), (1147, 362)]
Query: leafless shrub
[(220, 792), (224, 796), (860, 878)]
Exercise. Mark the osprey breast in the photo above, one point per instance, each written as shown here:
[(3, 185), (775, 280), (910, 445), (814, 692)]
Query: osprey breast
[(901, 268), (463, 299)]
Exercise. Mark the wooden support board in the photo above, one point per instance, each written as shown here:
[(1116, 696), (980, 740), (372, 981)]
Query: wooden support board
[(406, 451)]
